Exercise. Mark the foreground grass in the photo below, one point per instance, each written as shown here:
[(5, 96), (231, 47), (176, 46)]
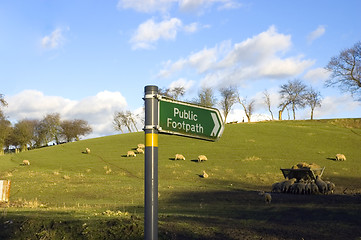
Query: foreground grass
[(64, 190)]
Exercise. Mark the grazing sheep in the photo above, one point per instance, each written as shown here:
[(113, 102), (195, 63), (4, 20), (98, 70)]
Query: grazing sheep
[(141, 145), (314, 188), (287, 184), (340, 157), (308, 188), (267, 197), (179, 157), (202, 158), (330, 187), (204, 175), (140, 151), (298, 188), (87, 150), (322, 186), (131, 154), (277, 187), (26, 162)]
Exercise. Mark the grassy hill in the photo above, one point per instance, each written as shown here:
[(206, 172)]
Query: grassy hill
[(104, 189)]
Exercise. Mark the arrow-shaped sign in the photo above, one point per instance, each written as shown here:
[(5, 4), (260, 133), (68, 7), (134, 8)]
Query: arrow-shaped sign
[(216, 124), (191, 120)]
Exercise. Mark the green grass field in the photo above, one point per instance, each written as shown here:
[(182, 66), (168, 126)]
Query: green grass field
[(66, 194)]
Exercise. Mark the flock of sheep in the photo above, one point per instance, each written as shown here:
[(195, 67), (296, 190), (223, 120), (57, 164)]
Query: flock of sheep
[(140, 150), (304, 185)]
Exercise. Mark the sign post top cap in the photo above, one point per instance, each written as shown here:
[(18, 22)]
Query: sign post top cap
[(151, 88)]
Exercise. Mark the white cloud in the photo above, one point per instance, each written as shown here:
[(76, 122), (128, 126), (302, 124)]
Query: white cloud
[(316, 34), (150, 32), (54, 40), (317, 75), (98, 110), (164, 6), (255, 58), (182, 82)]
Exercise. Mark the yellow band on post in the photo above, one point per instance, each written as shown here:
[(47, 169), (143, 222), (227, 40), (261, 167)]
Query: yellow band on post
[(151, 140)]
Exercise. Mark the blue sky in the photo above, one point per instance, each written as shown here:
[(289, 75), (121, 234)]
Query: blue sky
[(87, 59)]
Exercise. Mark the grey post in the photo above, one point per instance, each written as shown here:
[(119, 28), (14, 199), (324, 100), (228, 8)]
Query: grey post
[(151, 164)]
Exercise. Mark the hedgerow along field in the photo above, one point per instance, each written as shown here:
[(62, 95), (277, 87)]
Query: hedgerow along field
[(66, 194)]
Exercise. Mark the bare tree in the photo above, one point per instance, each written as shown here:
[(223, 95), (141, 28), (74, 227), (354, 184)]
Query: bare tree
[(229, 98), (73, 129), (292, 93), (267, 101), (313, 99), (51, 126), (132, 119), (206, 97), (3, 103), (247, 106), (126, 119), (346, 71), (175, 92)]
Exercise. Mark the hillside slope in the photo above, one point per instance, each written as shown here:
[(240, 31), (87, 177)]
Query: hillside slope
[(248, 156)]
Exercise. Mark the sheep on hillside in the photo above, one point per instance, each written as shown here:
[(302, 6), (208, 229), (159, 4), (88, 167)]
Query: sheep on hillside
[(314, 188), (179, 157), (298, 188), (26, 162), (287, 184), (202, 158), (267, 197), (87, 151), (277, 187), (141, 145), (308, 188), (140, 151), (330, 187), (131, 154), (204, 175), (322, 186), (340, 157)]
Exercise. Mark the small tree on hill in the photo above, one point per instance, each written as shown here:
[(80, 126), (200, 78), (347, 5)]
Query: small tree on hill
[(229, 98), (313, 99)]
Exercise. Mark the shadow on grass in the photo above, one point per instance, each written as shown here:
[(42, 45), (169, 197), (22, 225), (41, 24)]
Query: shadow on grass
[(64, 225), (240, 214)]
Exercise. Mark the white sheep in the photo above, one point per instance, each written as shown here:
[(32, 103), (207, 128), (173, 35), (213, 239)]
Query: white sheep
[(26, 162), (87, 150), (179, 157), (202, 158), (340, 157), (140, 151), (322, 186), (330, 187), (141, 145), (131, 154), (204, 175), (277, 187), (298, 188), (308, 188), (314, 188), (287, 184), (267, 197)]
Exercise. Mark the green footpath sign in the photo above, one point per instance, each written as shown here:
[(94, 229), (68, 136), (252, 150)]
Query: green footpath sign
[(186, 119)]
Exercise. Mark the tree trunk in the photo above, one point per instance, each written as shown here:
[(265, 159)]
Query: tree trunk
[(311, 114)]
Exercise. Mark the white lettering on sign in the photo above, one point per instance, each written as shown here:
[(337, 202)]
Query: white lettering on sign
[(189, 115), (196, 128)]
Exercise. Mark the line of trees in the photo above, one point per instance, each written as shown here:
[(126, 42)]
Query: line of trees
[(33, 133)]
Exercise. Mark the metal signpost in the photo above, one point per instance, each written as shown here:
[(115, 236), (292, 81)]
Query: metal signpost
[(166, 115)]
